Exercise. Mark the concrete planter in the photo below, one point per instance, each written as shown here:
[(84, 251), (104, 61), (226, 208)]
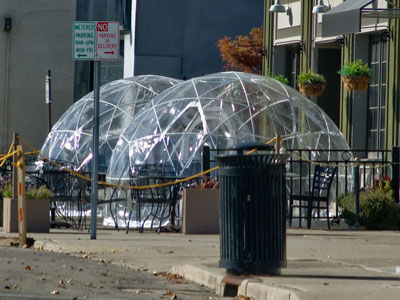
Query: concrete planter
[(37, 215), (200, 211)]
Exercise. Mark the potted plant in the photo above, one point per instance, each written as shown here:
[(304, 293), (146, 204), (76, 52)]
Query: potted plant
[(356, 75), (311, 84), (37, 209), (201, 209), (280, 78)]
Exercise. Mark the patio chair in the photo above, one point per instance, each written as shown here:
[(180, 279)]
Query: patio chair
[(318, 199), (155, 204)]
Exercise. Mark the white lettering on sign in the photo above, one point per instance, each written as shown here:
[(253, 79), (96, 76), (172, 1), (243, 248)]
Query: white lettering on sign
[(84, 37)]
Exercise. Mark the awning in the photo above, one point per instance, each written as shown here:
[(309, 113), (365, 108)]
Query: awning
[(344, 18)]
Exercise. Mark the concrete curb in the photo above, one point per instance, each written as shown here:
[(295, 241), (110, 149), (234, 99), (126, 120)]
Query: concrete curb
[(201, 276), (252, 288), (259, 290)]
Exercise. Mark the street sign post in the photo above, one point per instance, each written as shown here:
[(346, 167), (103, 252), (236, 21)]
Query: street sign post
[(96, 41), (84, 39)]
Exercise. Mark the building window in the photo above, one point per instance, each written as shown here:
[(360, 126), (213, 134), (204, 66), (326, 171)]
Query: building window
[(377, 95), (293, 65)]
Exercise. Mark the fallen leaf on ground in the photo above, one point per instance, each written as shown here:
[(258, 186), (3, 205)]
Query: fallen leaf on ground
[(28, 268), (55, 292)]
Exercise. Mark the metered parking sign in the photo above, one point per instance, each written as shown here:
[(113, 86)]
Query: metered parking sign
[(84, 39)]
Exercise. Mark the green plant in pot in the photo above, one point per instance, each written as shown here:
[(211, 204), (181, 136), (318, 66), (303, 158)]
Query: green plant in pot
[(7, 191), (311, 84), (280, 78), (31, 193), (38, 193), (356, 75)]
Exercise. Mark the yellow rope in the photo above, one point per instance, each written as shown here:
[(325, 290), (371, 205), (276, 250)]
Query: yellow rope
[(61, 167), (32, 152), (4, 159), (127, 186)]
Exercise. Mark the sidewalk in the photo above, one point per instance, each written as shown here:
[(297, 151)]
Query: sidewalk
[(337, 264)]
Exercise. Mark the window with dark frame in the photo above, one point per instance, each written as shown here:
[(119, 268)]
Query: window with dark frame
[(293, 65), (377, 94)]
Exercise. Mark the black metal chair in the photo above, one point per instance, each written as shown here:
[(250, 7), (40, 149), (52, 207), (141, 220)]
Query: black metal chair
[(317, 199), (156, 203)]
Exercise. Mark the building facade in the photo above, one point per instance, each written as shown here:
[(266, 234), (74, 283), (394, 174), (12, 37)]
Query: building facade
[(35, 37), (295, 42), (175, 38)]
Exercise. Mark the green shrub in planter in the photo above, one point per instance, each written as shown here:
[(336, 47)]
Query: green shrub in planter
[(32, 193), (280, 78), (311, 84), (378, 210), (38, 193), (356, 68), (7, 191)]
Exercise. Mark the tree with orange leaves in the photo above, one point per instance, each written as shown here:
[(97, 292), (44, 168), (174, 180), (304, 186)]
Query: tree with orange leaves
[(244, 53)]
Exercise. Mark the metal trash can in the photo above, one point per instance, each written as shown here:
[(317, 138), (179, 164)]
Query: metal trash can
[(252, 211)]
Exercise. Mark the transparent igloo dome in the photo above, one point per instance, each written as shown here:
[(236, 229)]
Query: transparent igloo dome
[(70, 139), (220, 110)]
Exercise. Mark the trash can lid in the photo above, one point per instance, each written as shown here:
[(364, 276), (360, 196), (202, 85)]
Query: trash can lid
[(252, 145)]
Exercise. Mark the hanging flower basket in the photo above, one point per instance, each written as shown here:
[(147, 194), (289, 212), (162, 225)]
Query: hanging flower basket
[(356, 83), (312, 89), (356, 75)]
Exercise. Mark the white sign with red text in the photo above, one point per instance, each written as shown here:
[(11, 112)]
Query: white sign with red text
[(107, 40)]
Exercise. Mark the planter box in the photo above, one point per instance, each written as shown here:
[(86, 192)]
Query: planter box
[(200, 211), (37, 215)]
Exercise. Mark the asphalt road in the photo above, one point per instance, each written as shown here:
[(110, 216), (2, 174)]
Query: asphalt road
[(34, 274)]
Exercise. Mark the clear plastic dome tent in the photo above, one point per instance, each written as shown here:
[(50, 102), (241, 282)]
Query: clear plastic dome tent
[(70, 140), (220, 110)]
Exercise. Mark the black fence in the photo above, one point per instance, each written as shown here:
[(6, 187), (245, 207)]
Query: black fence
[(72, 194), (374, 166)]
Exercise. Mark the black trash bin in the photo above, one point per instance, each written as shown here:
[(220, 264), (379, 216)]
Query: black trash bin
[(252, 211)]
